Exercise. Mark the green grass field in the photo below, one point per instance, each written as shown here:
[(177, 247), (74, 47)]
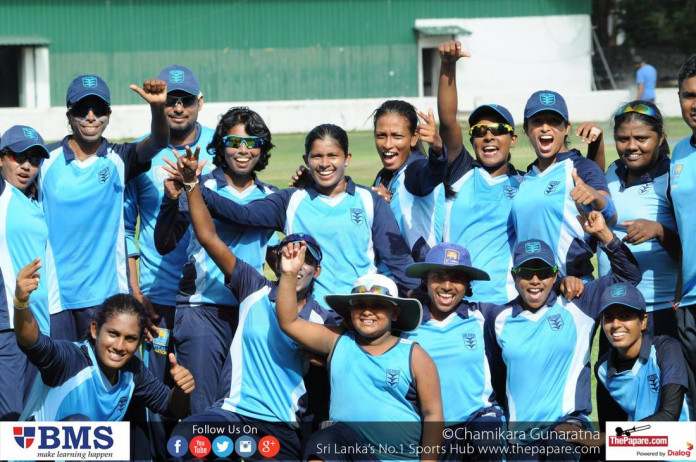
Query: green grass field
[(287, 154)]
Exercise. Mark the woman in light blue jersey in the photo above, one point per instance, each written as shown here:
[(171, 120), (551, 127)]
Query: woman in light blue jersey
[(638, 182), (544, 207), (478, 217), (23, 237), (206, 314), (451, 332), (94, 379), (411, 181), (385, 391)]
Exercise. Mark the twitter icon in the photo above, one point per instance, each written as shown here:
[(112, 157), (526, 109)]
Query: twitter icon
[(223, 446)]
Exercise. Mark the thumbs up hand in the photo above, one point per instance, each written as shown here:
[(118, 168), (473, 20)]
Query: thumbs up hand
[(582, 193), (182, 377)]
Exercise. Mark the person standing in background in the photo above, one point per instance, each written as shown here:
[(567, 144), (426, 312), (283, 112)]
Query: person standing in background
[(646, 79)]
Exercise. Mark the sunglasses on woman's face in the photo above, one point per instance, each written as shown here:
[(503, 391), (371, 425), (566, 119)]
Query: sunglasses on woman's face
[(34, 159), (528, 273), (234, 141), (479, 130), (639, 108)]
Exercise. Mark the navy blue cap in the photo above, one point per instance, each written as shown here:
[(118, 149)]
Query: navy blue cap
[(180, 78), (447, 256), (19, 138), (545, 100), (87, 85), (496, 108), (312, 244), (621, 294), (533, 249)]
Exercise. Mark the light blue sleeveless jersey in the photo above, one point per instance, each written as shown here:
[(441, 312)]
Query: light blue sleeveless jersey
[(648, 200), (456, 345), (366, 388), (683, 192), (83, 205), (159, 275), (479, 218), (23, 237), (637, 390)]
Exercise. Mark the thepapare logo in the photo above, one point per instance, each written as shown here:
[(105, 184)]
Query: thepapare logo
[(72, 437)]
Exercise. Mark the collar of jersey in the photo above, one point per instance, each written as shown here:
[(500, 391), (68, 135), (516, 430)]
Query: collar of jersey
[(313, 193), (517, 307), (644, 354), (560, 157), (659, 169), (70, 154)]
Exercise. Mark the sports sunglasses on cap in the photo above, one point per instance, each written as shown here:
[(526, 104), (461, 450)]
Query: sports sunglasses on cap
[(234, 141), (639, 108), (528, 273), (378, 290), (479, 130), (185, 101)]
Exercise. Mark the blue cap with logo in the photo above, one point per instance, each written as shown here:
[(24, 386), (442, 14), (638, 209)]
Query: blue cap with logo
[(545, 100), (533, 249), (312, 245), (19, 138), (494, 108), (87, 85), (621, 294), (180, 78), (447, 256)]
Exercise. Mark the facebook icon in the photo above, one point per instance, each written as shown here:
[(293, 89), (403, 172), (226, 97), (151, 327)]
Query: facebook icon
[(177, 446)]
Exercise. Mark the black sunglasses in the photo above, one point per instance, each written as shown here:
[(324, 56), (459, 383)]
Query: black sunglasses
[(82, 109), (185, 101), (528, 273)]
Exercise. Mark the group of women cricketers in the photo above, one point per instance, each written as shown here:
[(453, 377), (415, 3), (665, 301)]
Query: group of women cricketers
[(450, 305)]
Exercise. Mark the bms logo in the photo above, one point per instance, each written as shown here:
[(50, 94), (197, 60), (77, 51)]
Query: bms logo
[(555, 321), (393, 377), (176, 76), (551, 188), (24, 436)]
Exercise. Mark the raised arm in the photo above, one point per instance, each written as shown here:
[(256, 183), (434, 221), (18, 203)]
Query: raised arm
[(430, 401), (171, 222), (592, 134), (591, 191), (25, 326), (447, 99), (201, 220), (154, 92), (424, 175), (313, 336)]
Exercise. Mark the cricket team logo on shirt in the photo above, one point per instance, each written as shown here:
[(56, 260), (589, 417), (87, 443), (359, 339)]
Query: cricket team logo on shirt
[(645, 188), (676, 173), (176, 76), (122, 403), (555, 321), (510, 191), (469, 341), (357, 215), (89, 81), (654, 383), (24, 436), (103, 175), (393, 377), (551, 188)]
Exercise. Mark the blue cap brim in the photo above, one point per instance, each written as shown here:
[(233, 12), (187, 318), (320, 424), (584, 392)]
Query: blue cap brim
[(419, 270)]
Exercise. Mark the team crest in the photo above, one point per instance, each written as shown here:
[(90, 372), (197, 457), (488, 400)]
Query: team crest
[(176, 76), (357, 215), (161, 342), (532, 247), (451, 257), (103, 175), (24, 436), (509, 191), (555, 321), (551, 188), (393, 377), (89, 81), (30, 133), (645, 188), (469, 341), (122, 403), (654, 383), (618, 290), (547, 98)]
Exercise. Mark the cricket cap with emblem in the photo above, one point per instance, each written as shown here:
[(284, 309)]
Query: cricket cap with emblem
[(532, 249), (378, 286), (447, 256), (622, 294), (87, 85), (496, 109), (545, 100), (180, 78), (19, 138)]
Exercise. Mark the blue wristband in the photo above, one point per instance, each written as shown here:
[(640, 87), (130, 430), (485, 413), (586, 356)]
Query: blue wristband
[(609, 209)]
